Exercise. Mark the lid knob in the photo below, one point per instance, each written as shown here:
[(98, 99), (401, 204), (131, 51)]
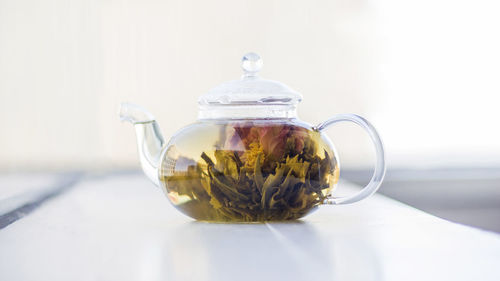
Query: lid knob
[(251, 64)]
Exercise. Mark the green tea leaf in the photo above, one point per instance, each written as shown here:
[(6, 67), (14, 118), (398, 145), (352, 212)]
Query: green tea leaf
[(229, 191), (259, 179)]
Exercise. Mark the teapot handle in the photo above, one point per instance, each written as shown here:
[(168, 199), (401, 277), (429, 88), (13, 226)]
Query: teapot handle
[(380, 166)]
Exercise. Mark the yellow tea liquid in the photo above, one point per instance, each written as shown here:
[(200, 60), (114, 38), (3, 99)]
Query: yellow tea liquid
[(248, 171)]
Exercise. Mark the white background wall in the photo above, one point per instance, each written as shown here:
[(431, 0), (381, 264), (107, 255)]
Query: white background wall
[(426, 73)]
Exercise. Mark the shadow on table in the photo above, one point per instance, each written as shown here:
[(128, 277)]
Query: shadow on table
[(277, 251)]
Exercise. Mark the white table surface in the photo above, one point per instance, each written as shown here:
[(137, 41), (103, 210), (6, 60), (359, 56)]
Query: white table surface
[(120, 227)]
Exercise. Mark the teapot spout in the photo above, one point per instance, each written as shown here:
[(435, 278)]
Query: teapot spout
[(149, 139)]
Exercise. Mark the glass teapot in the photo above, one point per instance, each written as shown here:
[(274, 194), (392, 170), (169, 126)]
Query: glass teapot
[(247, 158)]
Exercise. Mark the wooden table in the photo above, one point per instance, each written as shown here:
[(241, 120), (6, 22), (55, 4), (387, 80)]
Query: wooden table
[(117, 226)]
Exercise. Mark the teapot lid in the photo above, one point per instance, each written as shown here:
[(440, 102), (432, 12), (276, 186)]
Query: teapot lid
[(251, 89)]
